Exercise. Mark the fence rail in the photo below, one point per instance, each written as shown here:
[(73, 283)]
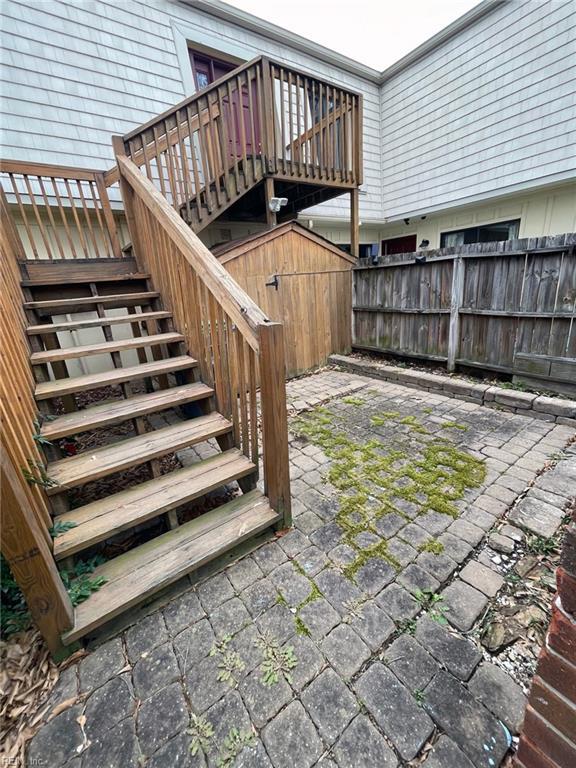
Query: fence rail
[(63, 212), (505, 307)]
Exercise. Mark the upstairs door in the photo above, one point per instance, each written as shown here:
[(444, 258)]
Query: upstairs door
[(206, 70)]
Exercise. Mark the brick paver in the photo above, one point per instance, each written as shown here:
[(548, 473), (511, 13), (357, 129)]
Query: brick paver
[(347, 641)]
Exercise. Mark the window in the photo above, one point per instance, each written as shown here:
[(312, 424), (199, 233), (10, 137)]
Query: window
[(365, 250), (206, 69), (487, 233)]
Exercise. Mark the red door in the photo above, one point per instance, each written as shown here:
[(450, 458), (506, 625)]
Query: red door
[(206, 70)]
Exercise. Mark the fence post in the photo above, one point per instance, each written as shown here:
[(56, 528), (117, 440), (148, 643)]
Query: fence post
[(455, 304), (274, 420)]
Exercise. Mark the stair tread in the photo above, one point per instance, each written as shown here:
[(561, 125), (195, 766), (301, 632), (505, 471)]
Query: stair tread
[(30, 283), (96, 322), (117, 411), (82, 300), (100, 519), (93, 464), (105, 347), (141, 572), (59, 387)]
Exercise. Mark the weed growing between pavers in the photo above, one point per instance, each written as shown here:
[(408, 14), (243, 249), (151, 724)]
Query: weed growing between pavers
[(277, 661), (374, 480), (229, 662)]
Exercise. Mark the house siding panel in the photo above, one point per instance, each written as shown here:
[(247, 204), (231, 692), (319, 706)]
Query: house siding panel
[(490, 109), (75, 74)]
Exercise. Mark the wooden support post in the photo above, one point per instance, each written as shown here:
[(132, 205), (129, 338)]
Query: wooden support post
[(274, 420), (32, 563), (271, 218), (455, 304), (127, 194), (354, 224)]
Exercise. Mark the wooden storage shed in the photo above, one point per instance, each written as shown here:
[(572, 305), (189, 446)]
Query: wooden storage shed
[(302, 280)]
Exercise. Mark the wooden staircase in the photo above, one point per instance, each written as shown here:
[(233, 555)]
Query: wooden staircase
[(77, 409), (262, 131)]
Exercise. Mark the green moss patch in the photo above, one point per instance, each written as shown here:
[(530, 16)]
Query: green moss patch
[(373, 479)]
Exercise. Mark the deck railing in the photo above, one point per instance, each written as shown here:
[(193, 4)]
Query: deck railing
[(26, 520), (62, 212), (232, 339), (263, 118)]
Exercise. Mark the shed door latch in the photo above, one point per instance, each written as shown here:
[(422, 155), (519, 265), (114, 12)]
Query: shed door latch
[(273, 282)]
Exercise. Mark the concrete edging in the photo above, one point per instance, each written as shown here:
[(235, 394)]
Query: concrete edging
[(553, 409)]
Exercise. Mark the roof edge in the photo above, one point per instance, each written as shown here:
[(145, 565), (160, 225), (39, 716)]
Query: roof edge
[(274, 32), (255, 24), (466, 20), (235, 248)]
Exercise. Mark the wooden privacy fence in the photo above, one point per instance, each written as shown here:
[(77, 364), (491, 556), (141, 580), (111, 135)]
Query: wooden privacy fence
[(62, 213), (226, 331), (507, 307), (26, 520)]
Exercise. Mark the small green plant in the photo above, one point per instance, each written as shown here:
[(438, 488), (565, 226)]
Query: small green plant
[(454, 425), (277, 661), (79, 582), (229, 663), (431, 602), (539, 545), (432, 545), (61, 527), (14, 616), (36, 475), (37, 435), (407, 626), (234, 743), (202, 734), (419, 696)]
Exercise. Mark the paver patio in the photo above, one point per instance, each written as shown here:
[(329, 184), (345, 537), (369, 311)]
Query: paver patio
[(345, 641)]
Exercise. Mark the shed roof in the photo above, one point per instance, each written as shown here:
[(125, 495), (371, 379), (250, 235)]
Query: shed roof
[(233, 249)]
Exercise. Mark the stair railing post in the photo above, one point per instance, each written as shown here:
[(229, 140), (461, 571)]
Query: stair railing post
[(274, 421), (269, 112), (455, 304), (127, 194)]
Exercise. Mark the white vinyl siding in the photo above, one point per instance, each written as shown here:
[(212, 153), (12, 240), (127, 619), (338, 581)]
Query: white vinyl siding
[(491, 109), (75, 73)]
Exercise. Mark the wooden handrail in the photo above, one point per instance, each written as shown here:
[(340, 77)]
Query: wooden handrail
[(234, 342), (242, 309), (159, 119), (46, 169)]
